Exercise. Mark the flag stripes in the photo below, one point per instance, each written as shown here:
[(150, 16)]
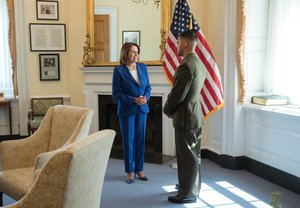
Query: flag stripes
[(211, 95)]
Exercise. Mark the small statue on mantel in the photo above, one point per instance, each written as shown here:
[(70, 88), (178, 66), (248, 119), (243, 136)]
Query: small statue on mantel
[(163, 36), (87, 51)]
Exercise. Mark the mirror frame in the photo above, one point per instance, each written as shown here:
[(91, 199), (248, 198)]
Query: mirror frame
[(88, 48)]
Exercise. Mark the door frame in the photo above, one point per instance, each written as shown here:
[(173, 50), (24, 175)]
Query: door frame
[(112, 12)]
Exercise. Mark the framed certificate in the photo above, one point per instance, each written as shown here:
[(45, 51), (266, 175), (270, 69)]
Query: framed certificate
[(47, 37)]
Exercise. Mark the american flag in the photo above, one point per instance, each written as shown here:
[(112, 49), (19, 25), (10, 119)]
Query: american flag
[(211, 95)]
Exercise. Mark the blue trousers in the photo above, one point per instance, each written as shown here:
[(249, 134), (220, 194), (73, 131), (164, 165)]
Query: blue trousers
[(133, 130)]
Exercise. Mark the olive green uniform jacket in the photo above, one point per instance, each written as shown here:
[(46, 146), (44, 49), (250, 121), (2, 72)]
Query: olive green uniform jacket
[(183, 102)]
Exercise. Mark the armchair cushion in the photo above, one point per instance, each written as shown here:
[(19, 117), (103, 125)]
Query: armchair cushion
[(16, 179)]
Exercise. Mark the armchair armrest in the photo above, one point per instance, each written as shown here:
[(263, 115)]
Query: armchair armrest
[(42, 158), (20, 153)]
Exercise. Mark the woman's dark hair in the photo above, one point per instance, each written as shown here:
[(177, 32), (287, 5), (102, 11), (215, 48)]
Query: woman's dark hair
[(125, 50)]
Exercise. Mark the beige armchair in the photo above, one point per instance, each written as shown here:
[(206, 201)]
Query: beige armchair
[(61, 126), (72, 177)]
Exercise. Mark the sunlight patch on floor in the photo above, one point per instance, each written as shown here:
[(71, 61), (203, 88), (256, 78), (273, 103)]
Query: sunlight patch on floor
[(243, 195), (215, 198), (222, 196)]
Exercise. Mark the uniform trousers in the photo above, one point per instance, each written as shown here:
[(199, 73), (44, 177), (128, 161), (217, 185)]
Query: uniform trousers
[(133, 130), (188, 155)]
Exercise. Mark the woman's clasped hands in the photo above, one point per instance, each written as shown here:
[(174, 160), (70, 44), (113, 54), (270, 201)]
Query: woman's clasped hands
[(141, 100)]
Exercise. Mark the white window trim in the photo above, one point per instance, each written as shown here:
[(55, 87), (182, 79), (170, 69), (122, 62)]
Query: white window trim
[(22, 37)]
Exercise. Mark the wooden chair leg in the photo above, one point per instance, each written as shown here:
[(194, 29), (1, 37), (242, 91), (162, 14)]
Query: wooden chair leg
[(1, 199)]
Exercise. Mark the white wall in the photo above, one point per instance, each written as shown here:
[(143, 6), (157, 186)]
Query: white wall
[(273, 138)]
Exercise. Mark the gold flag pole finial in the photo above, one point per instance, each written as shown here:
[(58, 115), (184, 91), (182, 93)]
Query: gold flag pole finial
[(191, 21)]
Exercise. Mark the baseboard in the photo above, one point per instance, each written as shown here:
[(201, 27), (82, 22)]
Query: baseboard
[(11, 137), (262, 170)]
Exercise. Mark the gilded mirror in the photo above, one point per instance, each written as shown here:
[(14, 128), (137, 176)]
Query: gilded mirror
[(91, 53)]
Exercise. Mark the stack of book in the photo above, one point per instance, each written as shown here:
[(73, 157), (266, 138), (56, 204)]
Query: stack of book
[(270, 100)]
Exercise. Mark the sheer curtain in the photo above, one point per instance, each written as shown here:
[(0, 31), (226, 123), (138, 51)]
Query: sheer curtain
[(283, 56), (6, 83)]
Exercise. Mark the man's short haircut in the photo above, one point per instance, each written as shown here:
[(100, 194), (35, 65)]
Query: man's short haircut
[(189, 35)]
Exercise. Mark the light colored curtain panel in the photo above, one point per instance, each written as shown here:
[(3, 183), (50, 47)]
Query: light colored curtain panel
[(241, 30), (12, 44), (5, 61), (282, 62)]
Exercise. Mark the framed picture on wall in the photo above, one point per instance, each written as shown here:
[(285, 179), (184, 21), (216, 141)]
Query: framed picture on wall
[(47, 10), (131, 36), (49, 67), (47, 37)]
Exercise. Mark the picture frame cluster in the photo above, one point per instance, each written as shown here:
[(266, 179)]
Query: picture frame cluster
[(48, 37)]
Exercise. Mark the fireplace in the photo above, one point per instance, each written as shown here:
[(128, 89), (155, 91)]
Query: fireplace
[(98, 82), (108, 119)]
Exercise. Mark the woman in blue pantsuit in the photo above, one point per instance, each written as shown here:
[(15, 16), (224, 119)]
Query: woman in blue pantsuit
[(131, 87)]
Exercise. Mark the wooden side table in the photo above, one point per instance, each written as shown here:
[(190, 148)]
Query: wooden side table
[(7, 104)]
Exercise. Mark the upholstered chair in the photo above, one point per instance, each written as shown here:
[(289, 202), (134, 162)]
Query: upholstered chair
[(61, 126), (71, 177), (39, 108)]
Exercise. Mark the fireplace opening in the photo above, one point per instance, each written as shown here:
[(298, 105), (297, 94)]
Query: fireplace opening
[(108, 119)]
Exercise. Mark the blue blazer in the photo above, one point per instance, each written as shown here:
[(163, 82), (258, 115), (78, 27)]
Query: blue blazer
[(125, 88)]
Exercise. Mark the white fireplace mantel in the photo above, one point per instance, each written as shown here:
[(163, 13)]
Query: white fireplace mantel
[(98, 81)]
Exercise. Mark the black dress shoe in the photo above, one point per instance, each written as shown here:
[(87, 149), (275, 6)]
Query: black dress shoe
[(143, 178), (129, 180), (181, 200)]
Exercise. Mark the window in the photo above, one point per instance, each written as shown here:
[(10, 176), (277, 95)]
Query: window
[(6, 83), (272, 48), (283, 49)]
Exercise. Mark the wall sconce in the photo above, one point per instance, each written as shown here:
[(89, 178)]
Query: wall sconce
[(145, 2)]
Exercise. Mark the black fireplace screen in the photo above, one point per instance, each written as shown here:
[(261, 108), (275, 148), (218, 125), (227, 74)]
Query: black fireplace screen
[(108, 119)]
